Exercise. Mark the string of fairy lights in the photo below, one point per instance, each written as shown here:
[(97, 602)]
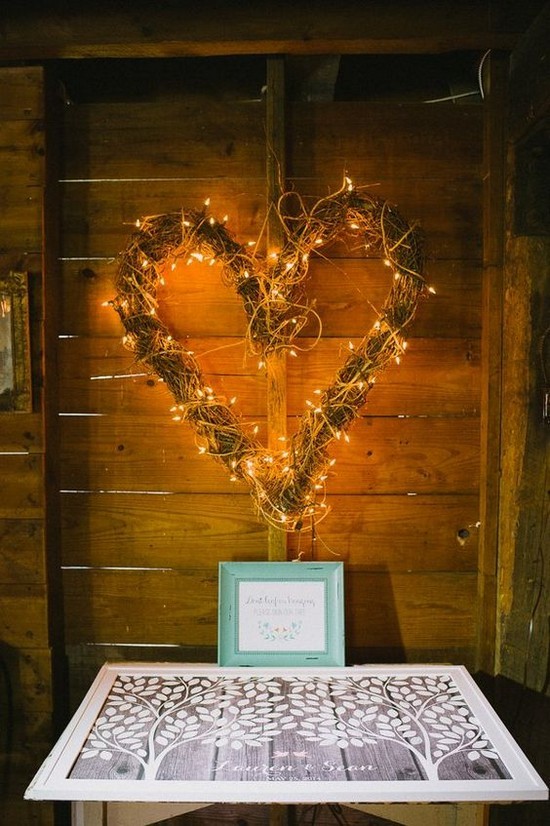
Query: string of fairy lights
[(287, 485)]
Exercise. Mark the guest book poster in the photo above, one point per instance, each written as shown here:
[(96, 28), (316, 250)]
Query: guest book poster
[(281, 616)]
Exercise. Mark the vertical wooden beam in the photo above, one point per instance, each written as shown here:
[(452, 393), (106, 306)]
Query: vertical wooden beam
[(276, 363), (491, 351), (275, 171)]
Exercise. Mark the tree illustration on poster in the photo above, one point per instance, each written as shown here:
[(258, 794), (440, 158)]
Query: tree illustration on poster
[(156, 723)]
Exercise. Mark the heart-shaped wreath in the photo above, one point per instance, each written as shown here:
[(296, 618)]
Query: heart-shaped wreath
[(287, 485)]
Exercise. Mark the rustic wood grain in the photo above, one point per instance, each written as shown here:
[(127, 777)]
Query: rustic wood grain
[(436, 377), (218, 140), (220, 30), (26, 713), (492, 351), (386, 455), (160, 531), (195, 303), (23, 617), (411, 610), (369, 533), (180, 608), (22, 152), (372, 139), (21, 432), (524, 527), (21, 219), (276, 363), (364, 532), (21, 487), (22, 94), (98, 217), (21, 550)]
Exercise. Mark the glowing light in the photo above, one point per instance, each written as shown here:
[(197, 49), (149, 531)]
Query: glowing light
[(281, 495)]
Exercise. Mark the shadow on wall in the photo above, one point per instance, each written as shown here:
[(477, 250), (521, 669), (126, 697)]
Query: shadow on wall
[(526, 714)]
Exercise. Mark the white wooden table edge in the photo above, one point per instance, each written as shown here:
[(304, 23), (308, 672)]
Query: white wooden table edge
[(52, 782)]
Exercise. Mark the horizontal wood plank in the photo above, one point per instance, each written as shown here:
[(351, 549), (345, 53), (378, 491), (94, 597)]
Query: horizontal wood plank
[(386, 455), (30, 673), (202, 138), (21, 227), (21, 432), (368, 140), (411, 610), (260, 29), (447, 211), (226, 139), (436, 377), (195, 303), (21, 486), (98, 216), (160, 531), (394, 533), (22, 550), (21, 93), (22, 152), (180, 607), (23, 615)]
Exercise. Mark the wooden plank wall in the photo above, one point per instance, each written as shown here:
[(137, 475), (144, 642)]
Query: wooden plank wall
[(145, 519), (25, 655)]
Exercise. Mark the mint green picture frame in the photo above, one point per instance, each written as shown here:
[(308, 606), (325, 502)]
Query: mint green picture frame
[(281, 613)]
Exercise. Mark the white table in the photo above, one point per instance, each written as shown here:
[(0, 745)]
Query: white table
[(181, 736)]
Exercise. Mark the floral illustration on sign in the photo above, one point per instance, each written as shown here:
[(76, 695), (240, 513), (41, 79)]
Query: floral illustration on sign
[(145, 718), (269, 631)]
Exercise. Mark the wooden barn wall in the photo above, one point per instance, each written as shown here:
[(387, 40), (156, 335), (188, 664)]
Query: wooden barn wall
[(25, 645), (145, 519)]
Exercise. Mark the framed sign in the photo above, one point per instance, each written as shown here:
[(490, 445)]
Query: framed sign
[(281, 613), (15, 367)]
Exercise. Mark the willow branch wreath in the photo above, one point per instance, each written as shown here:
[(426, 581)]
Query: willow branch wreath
[(288, 486)]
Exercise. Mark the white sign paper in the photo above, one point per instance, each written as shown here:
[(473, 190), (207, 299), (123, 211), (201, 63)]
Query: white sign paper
[(281, 616)]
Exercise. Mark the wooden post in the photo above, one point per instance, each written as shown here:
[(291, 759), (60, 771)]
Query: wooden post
[(491, 347), (275, 364)]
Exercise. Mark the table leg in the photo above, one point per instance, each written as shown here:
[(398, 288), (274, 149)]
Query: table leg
[(88, 813)]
